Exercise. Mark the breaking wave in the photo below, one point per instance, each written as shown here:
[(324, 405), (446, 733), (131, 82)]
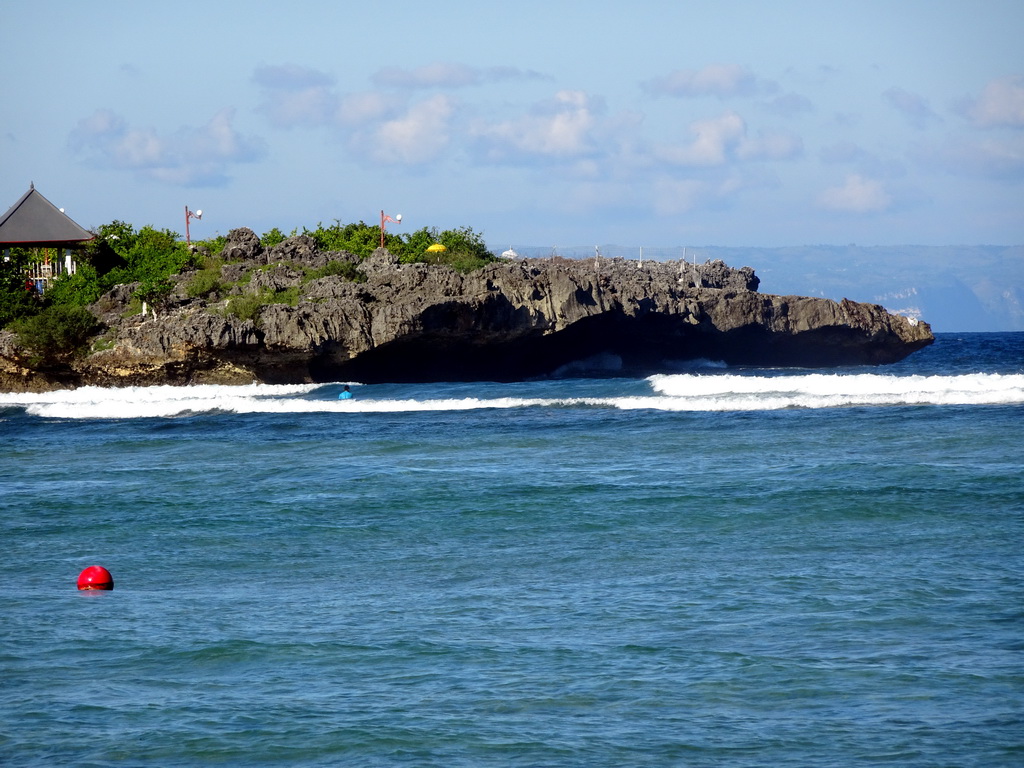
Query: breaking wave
[(665, 392)]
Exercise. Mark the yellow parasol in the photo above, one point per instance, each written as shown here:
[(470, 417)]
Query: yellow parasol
[(436, 248)]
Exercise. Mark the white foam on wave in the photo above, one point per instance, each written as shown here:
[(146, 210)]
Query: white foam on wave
[(143, 402), (731, 392), (675, 392), (167, 402)]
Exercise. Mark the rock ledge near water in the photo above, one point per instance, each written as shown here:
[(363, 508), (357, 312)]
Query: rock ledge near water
[(511, 320)]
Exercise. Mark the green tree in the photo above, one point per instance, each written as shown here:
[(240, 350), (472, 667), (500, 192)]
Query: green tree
[(120, 254), (77, 290), (119, 236), (417, 242), (204, 282), (214, 245), (56, 331), (15, 300), (466, 242), (465, 248), (151, 257), (153, 291), (345, 269), (272, 238), (359, 238), (157, 254)]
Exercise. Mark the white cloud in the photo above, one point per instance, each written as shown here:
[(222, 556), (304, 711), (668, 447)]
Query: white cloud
[(589, 193), (291, 77), (139, 148), (367, 107), (770, 146), (790, 105), (418, 136), (296, 96), (1001, 104), (504, 72), (999, 158), (675, 196), (102, 122), (379, 125), (190, 156), (856, 195), (712, 142), (217, 139), (439, 74), (446, 74), (561, 129), (671, 197), (719, 140), (713, 80), (843, 151), (856, 157), (911, 105), (309, 106)]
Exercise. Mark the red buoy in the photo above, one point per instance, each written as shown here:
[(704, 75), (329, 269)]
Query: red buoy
[(95, 577)]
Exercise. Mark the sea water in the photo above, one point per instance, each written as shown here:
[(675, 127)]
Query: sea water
[(707, 567)]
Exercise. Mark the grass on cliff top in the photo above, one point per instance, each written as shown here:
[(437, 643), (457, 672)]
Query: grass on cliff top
[(345, 269), (209, 280), (152, 259), (250, 306), (204, 282), (461, 261)]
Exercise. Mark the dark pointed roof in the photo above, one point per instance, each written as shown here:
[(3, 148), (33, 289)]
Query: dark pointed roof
[(34, 222)]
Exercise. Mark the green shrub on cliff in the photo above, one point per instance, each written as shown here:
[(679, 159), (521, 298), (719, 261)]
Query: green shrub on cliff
[(273, 237), (153, 291), (149, 255), (465, 250), (106, 251), (345, 269), (249, 306), (246, 307), (213, 245), (15, 301), (358, 238), (56, 331), (78, 290), (120, 254), (157, 254), (204, 282)]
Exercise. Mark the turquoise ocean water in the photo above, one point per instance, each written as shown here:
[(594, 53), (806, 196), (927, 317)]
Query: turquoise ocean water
[(710, 567)]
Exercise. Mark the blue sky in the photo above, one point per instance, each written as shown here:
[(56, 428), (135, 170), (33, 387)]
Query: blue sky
[(536, 123)]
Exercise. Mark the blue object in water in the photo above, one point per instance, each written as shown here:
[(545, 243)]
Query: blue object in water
[(346, 395), (791, 620)]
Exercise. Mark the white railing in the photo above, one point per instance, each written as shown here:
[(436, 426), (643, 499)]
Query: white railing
[(42, 273)]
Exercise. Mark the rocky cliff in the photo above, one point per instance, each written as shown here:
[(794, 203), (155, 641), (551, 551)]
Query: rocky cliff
[(416, 322)]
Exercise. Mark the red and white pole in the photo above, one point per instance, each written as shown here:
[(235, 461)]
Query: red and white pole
[(190, 215)]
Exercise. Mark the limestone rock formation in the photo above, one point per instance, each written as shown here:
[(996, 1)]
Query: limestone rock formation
[(416, 322)]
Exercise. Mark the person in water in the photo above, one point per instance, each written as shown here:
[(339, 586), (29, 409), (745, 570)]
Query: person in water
[(346, 393)]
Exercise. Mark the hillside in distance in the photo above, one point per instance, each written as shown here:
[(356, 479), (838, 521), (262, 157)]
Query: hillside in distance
[(954, 288)]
